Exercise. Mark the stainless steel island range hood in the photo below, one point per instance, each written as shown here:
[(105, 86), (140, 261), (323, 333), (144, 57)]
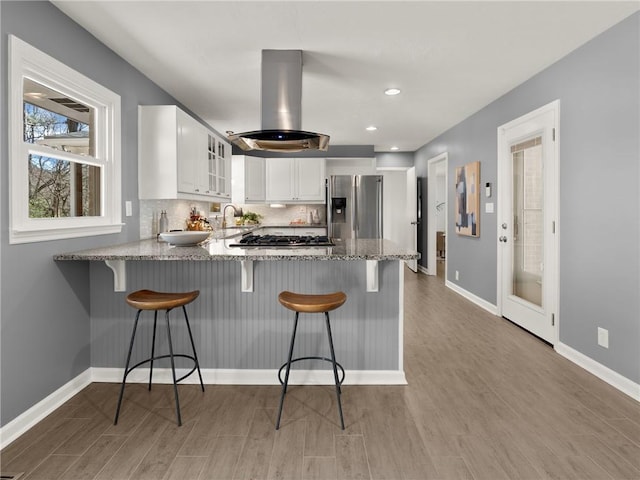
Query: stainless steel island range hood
[(281, 108)]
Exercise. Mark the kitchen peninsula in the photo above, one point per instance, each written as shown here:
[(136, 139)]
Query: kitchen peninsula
[(241, 330)]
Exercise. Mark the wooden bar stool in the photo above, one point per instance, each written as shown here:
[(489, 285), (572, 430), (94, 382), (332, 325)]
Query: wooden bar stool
[(150, 300), (306, 303)]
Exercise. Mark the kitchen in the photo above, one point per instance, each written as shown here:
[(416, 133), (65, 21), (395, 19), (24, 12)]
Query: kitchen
[(31, 345)]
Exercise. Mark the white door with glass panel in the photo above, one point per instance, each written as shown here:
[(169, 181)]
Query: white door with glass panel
[(527, 221), (414, 217)]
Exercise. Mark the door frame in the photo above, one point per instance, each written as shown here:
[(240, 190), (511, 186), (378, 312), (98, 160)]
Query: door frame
[(412, 214), (552, 192), (407, 212), (432, 166)]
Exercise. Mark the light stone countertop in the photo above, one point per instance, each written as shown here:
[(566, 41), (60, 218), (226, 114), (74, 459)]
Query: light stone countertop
[(218, 249)]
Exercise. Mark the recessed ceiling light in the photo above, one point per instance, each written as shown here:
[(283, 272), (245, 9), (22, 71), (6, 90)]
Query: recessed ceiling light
[(392, 91), (395, 148), (372, 128)]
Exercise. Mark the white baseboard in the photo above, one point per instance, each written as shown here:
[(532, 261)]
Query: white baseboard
[(422, 269), (614, 379), (28, 419), (489, 307), (214, 376), (40, 410), (604, 373)]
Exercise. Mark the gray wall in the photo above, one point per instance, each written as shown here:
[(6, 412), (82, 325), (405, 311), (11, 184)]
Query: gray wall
[(598, 87), (44, 314)]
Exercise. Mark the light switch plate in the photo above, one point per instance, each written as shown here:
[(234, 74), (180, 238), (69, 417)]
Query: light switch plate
[(128, 209), (603, 337)]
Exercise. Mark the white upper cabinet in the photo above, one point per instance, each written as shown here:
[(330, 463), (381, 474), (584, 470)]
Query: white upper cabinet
[(280, 178), (295, 180), (310, 179), (191, 154), (179, 158), (248, 179), (218, 167)]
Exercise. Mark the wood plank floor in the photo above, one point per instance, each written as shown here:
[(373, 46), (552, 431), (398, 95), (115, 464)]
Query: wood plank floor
[(485, 401)]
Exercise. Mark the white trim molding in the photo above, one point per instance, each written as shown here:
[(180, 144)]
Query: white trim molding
[(489, 307), (604, 373), (433, 164), (40, 410), (27, 62), (544, 122), (614, 379), (222, 376), (18, 426)]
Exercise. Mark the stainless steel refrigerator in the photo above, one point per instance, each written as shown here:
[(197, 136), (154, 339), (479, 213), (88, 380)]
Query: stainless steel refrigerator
[(354, 207)]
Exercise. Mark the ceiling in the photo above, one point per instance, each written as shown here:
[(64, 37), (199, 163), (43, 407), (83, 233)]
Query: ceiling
[(450, 59)]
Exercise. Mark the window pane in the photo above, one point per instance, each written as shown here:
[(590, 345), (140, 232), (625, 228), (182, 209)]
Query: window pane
[(57, 121), (59, 188), (528, 196)]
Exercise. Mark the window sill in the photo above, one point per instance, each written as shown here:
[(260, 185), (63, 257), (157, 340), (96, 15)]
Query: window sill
[(43, 235)]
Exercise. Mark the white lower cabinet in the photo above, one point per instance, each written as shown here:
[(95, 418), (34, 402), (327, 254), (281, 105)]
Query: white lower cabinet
[(295, 180), (178, 157)]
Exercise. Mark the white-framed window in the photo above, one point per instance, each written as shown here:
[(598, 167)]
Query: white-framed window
[(64, 150)]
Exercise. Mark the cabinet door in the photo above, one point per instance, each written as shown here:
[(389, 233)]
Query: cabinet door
[(201, 170), (254, 179), (280, 179), (187, 154), (224, 169), (310, 179), (212, 165)]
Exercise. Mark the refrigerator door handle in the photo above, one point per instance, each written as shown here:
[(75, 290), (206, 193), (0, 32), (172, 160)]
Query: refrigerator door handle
[(329, 207), (379, 183), (354, 209)]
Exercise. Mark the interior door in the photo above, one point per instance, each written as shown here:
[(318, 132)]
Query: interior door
[(413, 211), (527, 242)]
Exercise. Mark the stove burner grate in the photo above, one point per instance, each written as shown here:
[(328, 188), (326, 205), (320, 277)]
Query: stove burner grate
[(252, 240)]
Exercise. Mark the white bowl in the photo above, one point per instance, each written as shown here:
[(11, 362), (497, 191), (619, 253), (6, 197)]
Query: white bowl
[(186, 238)]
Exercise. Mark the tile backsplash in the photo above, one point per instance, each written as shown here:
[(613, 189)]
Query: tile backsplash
[(178, 212)]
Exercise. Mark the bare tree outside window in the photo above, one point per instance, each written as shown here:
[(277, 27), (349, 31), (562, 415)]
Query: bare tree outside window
[(59, 187)]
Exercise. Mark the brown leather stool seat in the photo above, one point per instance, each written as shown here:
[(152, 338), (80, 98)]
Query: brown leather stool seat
[(150, 300), (300, 302), (311, 303)]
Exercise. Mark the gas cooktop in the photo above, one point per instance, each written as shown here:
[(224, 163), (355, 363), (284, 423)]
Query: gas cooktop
[(283, 241)]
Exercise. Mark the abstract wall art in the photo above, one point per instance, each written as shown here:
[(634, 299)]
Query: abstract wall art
[(468, 199)]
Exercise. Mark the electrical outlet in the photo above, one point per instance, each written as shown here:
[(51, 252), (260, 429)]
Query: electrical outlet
[(457, 275), (128, 210), (603, 337)]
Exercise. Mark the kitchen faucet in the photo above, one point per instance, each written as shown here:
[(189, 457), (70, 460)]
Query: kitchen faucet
[(237, 212)]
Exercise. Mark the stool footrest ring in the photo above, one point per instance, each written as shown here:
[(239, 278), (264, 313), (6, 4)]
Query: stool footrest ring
[(293, 360), (175, 355)]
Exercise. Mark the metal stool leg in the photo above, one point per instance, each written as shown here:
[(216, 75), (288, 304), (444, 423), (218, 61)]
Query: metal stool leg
[(153, 345), (286, 377), (173, 370), (335, 369), (126, 367), (193, 346)]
